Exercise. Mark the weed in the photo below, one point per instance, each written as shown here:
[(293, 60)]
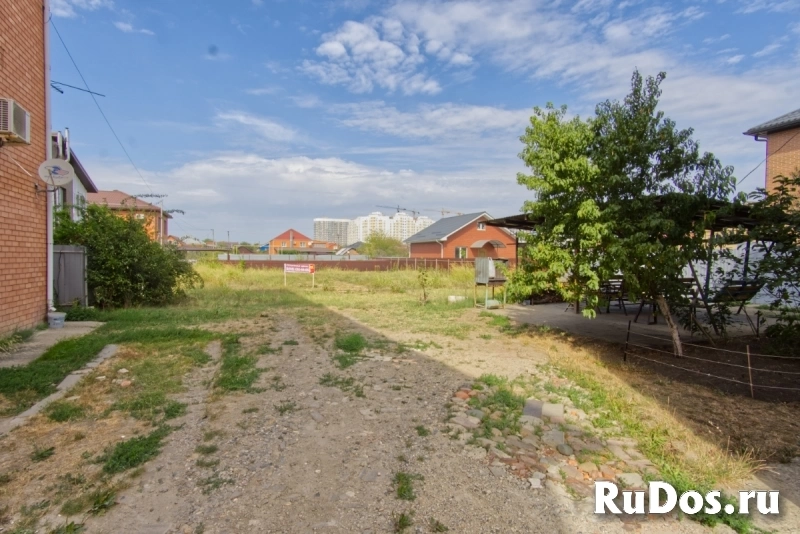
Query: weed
[(402, 521), (422, 431), (62, 411), (485, 336), (206, 449), (237, 372), (492, 380), (402, 458), (277, 383), (404, 485), (291, 342), (197, 355), (174, 409), (5, 478), (286, 407), (135, 451), (8, 343), (252, 409), (101, 501), (78, 436), (203, 462), (437, 526), (397, 387), (212, 483), (208, 435), (345, 360), (267, 349), (39, 455), (68, 528), (346, 384), (351, 343)]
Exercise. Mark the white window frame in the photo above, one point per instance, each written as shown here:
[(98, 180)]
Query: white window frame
[(482, 226), (458, 253)]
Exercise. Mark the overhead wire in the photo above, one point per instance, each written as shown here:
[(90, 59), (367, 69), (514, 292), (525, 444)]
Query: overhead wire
[(99, 108), (765, 159)]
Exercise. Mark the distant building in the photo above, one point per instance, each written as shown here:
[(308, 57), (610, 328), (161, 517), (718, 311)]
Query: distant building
[(122, 204), (400, 226), (292, 241), (463, 237), (782, 135), (331, 230)]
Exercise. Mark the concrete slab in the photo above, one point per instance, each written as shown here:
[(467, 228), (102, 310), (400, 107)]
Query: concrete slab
[(43, 340), (612, 326)]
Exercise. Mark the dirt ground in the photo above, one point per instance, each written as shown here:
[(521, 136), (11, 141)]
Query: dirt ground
[(325, 460)]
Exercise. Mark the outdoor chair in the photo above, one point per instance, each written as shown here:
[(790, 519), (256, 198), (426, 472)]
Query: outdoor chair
[(734, 292), (613, 290)]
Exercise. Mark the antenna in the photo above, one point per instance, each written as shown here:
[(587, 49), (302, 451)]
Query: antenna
[(443, 211)]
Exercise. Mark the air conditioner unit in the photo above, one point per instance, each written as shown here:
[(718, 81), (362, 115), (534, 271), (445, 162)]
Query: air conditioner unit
[(15, 122)]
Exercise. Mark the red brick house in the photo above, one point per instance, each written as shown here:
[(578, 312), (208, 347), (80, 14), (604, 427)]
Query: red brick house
[(782, 135), (463, 237), (23, 202), (125, 205), (293, 241)]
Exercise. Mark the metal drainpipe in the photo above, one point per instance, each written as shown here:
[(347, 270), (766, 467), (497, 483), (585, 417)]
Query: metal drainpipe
[(48, 151), (442, 246)]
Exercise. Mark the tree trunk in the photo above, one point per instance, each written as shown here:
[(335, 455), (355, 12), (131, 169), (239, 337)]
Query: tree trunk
[(673, 328)]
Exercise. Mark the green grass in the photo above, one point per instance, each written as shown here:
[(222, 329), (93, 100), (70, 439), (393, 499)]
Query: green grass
[(422, 431), (206, 449), (207, 462), (291, 342), (346, 384), (63, 411), (135, 451), (350, 343), (404, 485), (212, 483), (437, 526), (152, 405), (9, 342), (286, 407), (402, 521), (238, 372), (346, 359), (39, 455)]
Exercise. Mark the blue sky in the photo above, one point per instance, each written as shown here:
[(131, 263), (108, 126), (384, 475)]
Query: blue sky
[(258, 115)]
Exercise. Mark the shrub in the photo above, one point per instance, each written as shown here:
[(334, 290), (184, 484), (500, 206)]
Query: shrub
[(125, 267)]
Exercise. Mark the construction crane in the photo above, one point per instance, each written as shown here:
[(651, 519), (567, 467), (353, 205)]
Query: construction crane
[(443, 211), (399, 209)]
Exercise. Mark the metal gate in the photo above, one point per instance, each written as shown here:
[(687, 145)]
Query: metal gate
[(69, 275)]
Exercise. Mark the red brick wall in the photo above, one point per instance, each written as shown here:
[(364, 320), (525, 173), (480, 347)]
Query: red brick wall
[(466, 237), (23, 212), (783, 154)]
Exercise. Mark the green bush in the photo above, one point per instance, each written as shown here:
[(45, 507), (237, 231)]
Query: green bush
[(125, 267)]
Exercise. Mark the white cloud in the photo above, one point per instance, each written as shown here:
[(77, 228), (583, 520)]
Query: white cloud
[(69, 8), (306, 101), (262, 91), (767, 50), (266, 128), (714, 40), (377, 52), (774, 6), (128, 28), (733, 60), (436, 122), (256, 197)]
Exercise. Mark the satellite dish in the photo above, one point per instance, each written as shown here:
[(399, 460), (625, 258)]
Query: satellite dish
[(56, 172)]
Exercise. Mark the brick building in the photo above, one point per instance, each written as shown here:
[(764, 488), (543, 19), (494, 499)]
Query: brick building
[(23, 202), (782, 136), (152, 216), (463, 237), (292, 241)]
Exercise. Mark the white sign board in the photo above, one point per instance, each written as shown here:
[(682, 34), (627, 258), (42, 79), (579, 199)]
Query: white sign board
[(303, 268)]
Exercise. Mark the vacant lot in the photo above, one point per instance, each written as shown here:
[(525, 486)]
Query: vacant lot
[(259, 408)]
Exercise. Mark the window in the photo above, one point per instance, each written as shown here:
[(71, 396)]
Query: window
[(139, 216), (481, 226), (461, 253), (283, 244), (302, 244)]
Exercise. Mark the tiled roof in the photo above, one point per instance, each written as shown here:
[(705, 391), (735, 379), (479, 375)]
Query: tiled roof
[(297, 236), (444, 227), (784, 122), (117, 199)]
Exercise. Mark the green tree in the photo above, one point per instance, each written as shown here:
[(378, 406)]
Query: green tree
[(565, 252), (656, 184), (618, 193), (124, 267), (777, 242), (379, 245)]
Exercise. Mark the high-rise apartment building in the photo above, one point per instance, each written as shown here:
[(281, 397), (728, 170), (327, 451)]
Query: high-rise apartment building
[(332, 230), (399, 226)]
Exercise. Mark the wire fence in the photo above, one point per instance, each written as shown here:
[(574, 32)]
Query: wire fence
[(774, 374)]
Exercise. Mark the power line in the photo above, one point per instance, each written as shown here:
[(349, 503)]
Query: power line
[(100, 109), (765, 159)]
